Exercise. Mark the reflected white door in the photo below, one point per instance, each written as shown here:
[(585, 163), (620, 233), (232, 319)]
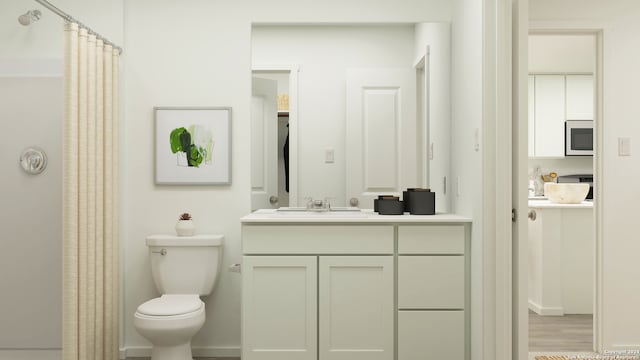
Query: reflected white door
[(264, 142), (381, 133)]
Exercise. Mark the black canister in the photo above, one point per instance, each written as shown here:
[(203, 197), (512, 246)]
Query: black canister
[(421, 201), (388, 205)]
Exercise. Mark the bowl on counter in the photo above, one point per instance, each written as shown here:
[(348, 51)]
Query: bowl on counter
[(566, 193)]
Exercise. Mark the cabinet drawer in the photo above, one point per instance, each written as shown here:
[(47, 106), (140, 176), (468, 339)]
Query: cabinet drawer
[(433, 239), (310, 239), (431, 335), (431, 282)]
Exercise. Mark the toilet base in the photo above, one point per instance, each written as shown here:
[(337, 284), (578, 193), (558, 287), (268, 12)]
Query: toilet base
[(176, 352)]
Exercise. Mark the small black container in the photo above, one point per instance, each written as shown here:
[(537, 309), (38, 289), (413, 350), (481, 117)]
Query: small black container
[(388, 205), (420, 201)]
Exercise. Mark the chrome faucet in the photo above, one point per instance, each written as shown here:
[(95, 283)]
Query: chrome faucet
[(318, 205)]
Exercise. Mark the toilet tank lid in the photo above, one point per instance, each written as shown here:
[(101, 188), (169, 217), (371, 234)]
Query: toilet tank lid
[(174, 240)]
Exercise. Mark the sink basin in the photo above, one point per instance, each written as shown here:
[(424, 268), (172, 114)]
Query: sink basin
[(303, 212), (566, 193)]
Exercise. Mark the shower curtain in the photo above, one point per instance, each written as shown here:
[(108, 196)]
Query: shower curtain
[(90, 198)]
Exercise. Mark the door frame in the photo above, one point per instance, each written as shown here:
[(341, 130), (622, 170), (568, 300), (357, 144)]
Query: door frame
[(292, 70), (571, 28)]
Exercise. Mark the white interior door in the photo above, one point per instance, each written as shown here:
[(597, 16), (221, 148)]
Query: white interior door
[(264, 142), (381, 134)]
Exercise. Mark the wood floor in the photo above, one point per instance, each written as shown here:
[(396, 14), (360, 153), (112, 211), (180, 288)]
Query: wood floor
[(560, 333)]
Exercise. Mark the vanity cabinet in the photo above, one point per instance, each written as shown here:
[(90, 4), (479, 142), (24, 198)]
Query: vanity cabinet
[(328, 294), (374, 288), (431, 292)]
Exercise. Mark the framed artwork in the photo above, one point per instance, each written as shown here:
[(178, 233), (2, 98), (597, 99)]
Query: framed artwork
[(193, 145)]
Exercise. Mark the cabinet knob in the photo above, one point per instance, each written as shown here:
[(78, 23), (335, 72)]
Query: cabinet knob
[(532, 215), (354, 201), (273, 200)]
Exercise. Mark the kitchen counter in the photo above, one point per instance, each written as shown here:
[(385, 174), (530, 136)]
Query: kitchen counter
[(561, 265), (546, 204), (364, 216)]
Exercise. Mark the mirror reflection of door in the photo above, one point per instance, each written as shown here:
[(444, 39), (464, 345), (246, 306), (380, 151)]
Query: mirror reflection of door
[(264, 127)]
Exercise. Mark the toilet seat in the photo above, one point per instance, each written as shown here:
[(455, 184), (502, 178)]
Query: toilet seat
[(171, 305)]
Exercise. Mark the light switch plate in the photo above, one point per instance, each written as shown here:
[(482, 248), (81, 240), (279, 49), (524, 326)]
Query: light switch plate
[(624, 146), (329, 156)]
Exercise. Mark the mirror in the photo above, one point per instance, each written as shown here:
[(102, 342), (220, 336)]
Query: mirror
[(315, 66)]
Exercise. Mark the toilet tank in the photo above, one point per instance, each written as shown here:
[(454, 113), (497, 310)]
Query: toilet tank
[(185, 264)]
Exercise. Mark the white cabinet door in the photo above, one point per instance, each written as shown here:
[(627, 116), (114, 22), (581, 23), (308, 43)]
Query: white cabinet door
[(279, 310), (264, 143), (550, 115), (579, 97), (381, 131), (356, 308), (532, 116), (431, 282), (431, 335)]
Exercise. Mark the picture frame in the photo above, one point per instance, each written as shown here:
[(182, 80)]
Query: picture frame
[(192, 145)]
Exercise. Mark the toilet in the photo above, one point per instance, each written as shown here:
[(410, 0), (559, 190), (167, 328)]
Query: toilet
[(183, 269)]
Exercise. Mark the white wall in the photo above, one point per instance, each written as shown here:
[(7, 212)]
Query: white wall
[(620, 20), (198, 53), (438, 37), (466, 162), (553, 53), (324, 53)]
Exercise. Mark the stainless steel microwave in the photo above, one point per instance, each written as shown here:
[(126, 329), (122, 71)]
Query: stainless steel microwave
[(578, 138)]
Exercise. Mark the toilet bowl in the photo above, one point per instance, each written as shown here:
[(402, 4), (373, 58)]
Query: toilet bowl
[(183, 269), (169, 322)]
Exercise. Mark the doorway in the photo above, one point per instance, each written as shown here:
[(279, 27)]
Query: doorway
[(562, 259)]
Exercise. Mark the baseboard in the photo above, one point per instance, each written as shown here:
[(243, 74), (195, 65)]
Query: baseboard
[(30, 354), (198, 351), (545, 311)]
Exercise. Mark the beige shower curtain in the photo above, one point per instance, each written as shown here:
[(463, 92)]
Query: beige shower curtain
[(90, 198)]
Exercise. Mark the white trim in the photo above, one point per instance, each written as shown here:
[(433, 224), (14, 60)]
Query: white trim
[(293, 70), (598, 303), (497, 179), (545, 311), (198, 351), (594, 28), (520, 50)]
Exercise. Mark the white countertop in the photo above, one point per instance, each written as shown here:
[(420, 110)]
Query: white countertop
[(546, 204), (364, 216)]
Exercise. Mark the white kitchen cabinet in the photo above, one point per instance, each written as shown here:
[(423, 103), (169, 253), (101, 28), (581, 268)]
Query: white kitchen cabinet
[(549, 110), (579, 97), (553, 99), (280, 323), (561, 258), (356, 307)]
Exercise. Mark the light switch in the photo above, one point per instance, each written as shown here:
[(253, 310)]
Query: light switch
[(624, 146), (329, 156)]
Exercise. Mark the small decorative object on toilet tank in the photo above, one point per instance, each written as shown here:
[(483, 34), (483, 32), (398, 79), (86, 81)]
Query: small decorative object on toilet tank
[(185, 225)]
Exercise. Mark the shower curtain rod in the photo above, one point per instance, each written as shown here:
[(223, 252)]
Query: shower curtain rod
[(69, 18)]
